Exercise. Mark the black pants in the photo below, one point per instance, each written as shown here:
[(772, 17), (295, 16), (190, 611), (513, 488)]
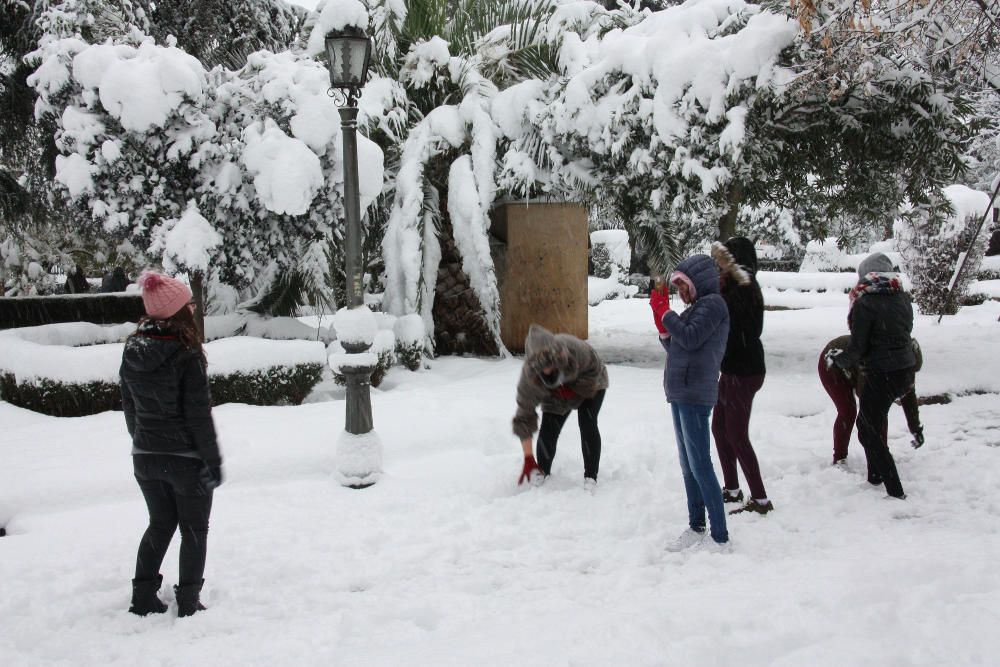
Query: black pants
[(174, 495), (877, 395), (590, 436)]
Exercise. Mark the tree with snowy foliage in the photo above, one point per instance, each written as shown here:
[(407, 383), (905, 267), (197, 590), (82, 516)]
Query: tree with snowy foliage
[(144, 130), (685, 117)]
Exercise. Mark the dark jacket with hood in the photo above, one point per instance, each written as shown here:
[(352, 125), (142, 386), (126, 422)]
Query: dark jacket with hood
[(165, 396), (697, 336), (744, 351), (881, 324), (579, 375)]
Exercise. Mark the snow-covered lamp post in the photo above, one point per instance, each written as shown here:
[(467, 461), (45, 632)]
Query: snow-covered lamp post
[(359, 450)]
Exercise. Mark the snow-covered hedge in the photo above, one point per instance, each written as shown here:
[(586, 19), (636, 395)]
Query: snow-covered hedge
[(72, 370), (27, 311)]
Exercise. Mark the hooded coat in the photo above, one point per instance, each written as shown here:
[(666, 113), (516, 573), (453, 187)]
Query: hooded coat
[(698, 336), (881, 324), (581, 371), (166, 399)]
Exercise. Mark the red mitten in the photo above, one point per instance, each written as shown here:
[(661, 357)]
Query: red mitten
[(530, 467), (660, 303), (565, 393)]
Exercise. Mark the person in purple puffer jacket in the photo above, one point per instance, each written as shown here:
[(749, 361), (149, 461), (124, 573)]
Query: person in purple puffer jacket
[(695, 346)]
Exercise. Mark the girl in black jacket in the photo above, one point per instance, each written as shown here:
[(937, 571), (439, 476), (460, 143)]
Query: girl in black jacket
[(168, 412), (881, 321), (742, 373)]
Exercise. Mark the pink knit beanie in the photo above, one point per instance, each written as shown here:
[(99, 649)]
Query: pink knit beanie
[(162, 295)]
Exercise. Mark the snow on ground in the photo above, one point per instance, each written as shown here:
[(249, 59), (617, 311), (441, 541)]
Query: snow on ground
[(446, 562)]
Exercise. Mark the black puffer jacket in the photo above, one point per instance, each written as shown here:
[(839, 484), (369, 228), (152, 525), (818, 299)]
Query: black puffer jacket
[(881, 325), (168, 408), (744, 351)]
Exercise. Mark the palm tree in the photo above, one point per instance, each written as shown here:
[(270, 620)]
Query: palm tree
[(445, 132)]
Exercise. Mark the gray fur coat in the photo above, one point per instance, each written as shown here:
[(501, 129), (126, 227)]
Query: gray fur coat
[(581, 371)]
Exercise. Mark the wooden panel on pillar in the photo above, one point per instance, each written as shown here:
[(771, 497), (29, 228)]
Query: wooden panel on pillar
[(542, 269)]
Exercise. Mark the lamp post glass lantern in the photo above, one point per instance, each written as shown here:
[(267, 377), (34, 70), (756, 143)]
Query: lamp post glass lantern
[(359, 450), (348, 54)]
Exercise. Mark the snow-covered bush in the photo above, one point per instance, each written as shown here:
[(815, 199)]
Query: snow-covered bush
[(409, 331), (72, 370), (933, 245), (600, 256), (611, 253)]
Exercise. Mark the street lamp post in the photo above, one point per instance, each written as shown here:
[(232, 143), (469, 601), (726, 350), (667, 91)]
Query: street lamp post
[(359, 451)]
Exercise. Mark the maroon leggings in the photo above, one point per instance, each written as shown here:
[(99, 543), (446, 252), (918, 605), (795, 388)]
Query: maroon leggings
[(841, 390), (731, 428)]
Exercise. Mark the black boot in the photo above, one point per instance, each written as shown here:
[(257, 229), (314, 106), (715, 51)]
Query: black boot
[(187, 599), (144, 599)]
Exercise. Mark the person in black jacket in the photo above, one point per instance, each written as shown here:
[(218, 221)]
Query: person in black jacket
[(168, 412), (742, 373), (881, 321)]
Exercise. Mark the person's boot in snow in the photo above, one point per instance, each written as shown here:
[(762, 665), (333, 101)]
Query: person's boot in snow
[(734, 496), (754, 505), (689, 538), (144, 598), (187, 599)]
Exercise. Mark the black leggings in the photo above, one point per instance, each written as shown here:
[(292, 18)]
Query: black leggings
[(175, 495), (590, 436), (877, 395)]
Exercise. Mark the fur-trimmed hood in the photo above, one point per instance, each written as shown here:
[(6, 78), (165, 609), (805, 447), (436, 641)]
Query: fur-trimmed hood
[(578, 374)]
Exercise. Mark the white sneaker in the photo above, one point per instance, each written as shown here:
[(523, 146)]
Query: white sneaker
[(590, 485), (714, 547), (689, 538)]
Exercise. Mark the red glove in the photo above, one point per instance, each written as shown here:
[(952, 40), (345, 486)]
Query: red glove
[(565, 393), (530, 467), (660, 303)]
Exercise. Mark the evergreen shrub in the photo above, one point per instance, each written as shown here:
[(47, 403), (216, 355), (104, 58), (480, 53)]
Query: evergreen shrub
[(29, 311), (275, 385)]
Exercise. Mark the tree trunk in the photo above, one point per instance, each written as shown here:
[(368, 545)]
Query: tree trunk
[(727, 223), (198, 290)]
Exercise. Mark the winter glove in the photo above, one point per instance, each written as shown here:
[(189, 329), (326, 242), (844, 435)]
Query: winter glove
[(211, 476), (565, 393), (918, 438), (659, 301), (530, 468)]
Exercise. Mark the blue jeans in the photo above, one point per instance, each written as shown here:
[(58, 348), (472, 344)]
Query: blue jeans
[(700, 483)]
